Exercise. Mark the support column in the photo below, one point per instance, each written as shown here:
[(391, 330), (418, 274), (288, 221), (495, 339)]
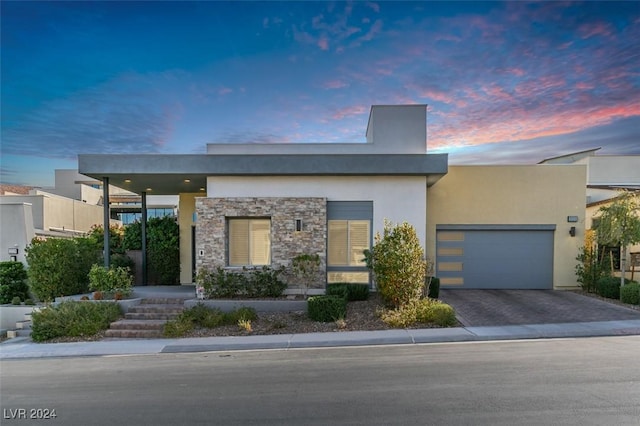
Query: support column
[(143, 226), (106, 221)]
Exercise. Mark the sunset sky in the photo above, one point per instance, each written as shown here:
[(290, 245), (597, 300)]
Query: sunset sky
[(506, 82)]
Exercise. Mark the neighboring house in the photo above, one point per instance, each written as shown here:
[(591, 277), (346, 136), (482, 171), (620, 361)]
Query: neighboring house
[(606, 176), (125, 206), (263, 204)]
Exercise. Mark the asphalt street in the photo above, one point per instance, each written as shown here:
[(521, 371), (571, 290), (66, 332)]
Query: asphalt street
[(574, 381)]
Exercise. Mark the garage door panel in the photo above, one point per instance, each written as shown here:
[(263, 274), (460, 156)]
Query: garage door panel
[(497, 259)]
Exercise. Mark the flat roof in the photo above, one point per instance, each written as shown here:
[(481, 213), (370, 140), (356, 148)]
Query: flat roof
[(181, 173)]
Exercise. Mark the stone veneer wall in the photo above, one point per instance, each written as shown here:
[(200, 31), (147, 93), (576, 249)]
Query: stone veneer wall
[(286, 243)]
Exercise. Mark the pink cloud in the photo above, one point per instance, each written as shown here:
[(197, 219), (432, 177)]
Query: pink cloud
[(595, 29), (349, 111), (480, 126), (323, 43), (334, 84)]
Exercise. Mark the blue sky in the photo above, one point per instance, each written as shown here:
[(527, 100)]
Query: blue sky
[(510, 82)]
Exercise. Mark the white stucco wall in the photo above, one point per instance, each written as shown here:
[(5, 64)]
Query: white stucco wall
[(614, 170), (400, 198), (16, 222)]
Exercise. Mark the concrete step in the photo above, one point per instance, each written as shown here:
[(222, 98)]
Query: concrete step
[(133, 334), (162, 301), (159, 309), (12, 334), (23, 325), (151, 315), (128, 324)]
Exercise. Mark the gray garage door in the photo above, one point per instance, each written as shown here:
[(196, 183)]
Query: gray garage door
[(495, 256)]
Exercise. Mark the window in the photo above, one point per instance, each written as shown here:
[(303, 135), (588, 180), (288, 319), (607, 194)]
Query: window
[(347, 241), (249, 242)]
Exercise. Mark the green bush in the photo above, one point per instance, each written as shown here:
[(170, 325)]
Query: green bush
[(630, 293), (112, 280), (13, 282), (203, 316), (16, 301), (350, 291), (398, 265), (122, 261), (250, 283), (327, 308), (609, 287), (424, 311), (60, 267), (163, 246), (434, 288), (72, 318)]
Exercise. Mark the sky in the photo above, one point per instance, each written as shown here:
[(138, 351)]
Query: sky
[(505, 82)]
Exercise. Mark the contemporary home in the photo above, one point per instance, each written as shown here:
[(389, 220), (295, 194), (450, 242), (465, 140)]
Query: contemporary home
[(263, 204)]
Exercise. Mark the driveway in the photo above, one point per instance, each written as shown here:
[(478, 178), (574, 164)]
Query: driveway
[(516, 307)]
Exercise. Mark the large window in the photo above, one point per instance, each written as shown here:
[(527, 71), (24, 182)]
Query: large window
[(249, 242)]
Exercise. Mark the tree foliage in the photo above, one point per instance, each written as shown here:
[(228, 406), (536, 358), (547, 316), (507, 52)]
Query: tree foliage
[(163, 246), (13, 282), (618, 224), (60, 267), (398, 264)]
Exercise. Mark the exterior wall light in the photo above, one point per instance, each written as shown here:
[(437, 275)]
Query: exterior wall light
[(572, 219), (572, 231)]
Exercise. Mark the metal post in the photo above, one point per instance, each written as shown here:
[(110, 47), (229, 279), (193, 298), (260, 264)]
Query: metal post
[(143, 223), (106, 220)]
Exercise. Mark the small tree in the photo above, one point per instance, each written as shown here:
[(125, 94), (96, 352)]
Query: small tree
[(619, 224), (398, 264), (305, 268)]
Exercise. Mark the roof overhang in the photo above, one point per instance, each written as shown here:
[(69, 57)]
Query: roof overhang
[(171, 174)]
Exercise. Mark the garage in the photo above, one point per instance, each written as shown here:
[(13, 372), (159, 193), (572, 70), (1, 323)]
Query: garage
[(495, 256)]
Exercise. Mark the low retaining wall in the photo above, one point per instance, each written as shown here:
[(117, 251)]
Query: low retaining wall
[(258, 305), (11, 314)]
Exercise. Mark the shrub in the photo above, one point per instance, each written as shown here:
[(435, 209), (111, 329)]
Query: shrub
[(265, 282), (250, 283), (426, 311), (29, 302), (630, 293), (609, 287), (350, 291), (13, 281), (434, 288), (16, 301), (122, 261), (591, 268), (327, 308), (113, 280), (202, 316), (398, 265), (59, 267), (163, 246), (73, 318)]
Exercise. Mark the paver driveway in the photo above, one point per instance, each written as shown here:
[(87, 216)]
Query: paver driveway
[(517, 307)]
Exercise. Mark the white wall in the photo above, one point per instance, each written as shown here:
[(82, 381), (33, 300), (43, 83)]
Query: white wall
[(16, 222), (399, 198), (614, 170)]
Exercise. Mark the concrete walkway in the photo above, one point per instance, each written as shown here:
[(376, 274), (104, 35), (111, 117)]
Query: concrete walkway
[(22, 349), (487, 315)]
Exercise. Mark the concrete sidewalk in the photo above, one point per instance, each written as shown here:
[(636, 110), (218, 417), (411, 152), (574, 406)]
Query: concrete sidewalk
[(25, 348)]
